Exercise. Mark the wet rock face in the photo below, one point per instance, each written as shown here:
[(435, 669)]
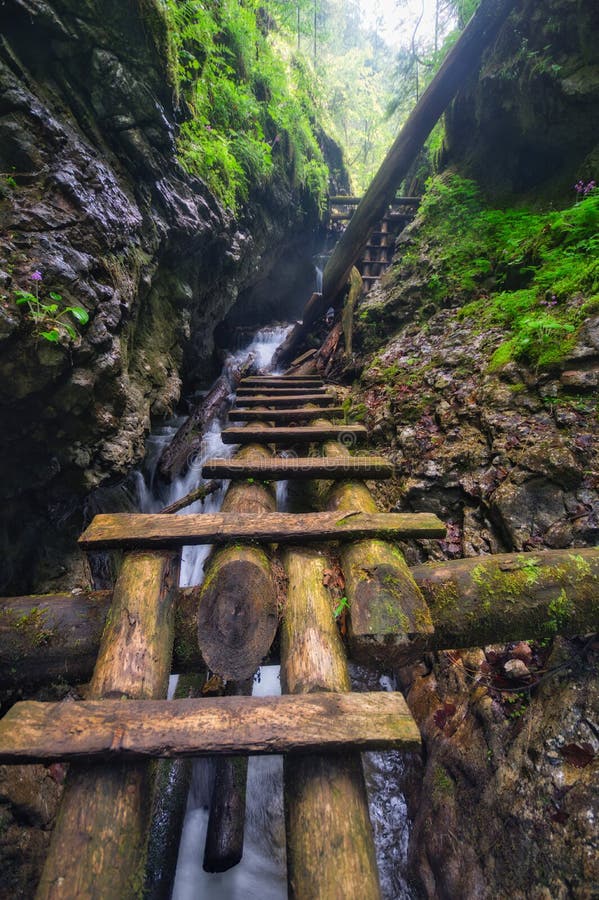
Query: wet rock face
[(528, 120), (92, 197)]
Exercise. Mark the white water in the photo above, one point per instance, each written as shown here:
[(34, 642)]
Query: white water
[(261, 874)]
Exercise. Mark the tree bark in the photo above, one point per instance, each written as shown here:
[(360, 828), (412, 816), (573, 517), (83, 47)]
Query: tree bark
[(385, 603), (326, 807), (173, 780), (237, 616), (99, 841)]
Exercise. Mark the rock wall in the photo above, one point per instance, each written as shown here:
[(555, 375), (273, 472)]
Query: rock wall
[(527, 123), (92, 196)]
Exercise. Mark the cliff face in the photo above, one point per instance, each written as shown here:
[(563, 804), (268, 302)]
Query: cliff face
[(527, 123), (93, 198)]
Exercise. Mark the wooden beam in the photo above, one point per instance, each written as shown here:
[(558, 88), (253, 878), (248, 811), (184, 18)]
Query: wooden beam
[(326, 806), (305, 433), (282, 415), (384, 600), (134, 530), (271, 391), (283, 381), (283, 468), (112, 729), (99, 841), (289, 400)]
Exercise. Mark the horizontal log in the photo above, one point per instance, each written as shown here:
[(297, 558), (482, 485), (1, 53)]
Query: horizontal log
[(302, 359), (107, 729), (344, 433), (282, 415), (288, 400), (46, 637), (283, 468), (283, 381), (353, 201), (135, 530), (289, 389)]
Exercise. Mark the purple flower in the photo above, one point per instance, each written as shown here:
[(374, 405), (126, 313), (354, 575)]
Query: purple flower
[(36, 276)]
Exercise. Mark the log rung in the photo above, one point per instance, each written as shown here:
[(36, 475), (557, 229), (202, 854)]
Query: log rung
[(285, 389), (287, 400), (136, 530), (282, 381), (107, 729), (280, 469), (306, 433), (282, 415)]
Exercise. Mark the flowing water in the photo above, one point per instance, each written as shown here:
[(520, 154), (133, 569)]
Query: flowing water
[(261, 873)]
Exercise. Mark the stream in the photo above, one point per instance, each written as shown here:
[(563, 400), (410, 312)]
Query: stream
[(261, 875)]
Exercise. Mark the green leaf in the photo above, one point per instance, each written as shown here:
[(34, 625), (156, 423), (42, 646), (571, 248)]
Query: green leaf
[(341, 606), (80, 314), (55, 296), (69, 329), (50, 335), (51, 308), (24, 297)]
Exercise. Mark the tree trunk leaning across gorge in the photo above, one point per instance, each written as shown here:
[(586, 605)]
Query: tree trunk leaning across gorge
[(99, 842), (62, 634), (385, 603), (237, 615), (330, 845), (461, 61)]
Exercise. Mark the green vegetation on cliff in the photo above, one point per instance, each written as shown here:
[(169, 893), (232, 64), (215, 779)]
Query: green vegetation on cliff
[(250, 107), (535, 273)]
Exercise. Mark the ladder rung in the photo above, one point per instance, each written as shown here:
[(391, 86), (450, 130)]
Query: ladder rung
[(252, 435), (277, 391), (280, 469), (282, 415), (105, 729), (287, 400), (133, 530)]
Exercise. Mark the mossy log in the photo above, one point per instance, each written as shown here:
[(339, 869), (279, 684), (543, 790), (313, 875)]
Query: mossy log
[(226, 822), (385, 603), (326, 806), (99, 842), (237, 614), (173, 780), (558, 589)]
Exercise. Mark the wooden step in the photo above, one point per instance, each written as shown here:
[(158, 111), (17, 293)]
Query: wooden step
[(303, 358), (282, 381), (136, 530), (278, 391), (280, 469), (347, 434), (108, 729), (287, 400), (282, 415)]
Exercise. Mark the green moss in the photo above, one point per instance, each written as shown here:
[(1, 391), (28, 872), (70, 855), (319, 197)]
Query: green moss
[(442, 782)]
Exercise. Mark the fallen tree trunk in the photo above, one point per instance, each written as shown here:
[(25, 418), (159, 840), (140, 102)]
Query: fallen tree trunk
[(99, 841), (326, 806), (60, 634), (461, 61)]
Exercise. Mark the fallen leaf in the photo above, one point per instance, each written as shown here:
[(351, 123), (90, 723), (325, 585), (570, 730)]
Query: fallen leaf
[(578, 755), (444, 713)]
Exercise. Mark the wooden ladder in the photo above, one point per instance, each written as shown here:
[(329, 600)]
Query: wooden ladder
[(99, 841)]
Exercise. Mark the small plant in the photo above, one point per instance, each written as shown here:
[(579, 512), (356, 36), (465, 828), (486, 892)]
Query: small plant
[(51, 318), (342, 607)]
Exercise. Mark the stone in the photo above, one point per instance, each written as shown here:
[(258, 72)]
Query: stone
[(515, 669)]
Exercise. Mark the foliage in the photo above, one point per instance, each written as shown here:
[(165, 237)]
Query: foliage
[(534, 273), (249, 100), (51, 319)]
